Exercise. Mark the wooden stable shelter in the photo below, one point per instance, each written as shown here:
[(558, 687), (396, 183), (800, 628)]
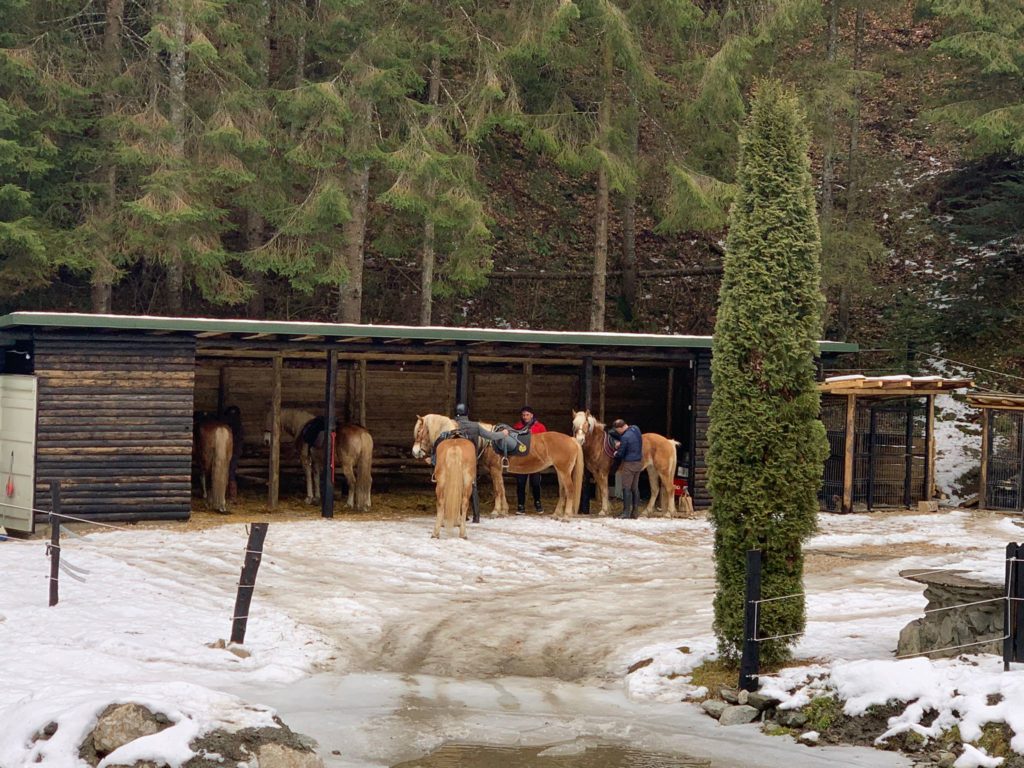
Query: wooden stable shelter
[(1001, 486), (104, 403), (881, 434)]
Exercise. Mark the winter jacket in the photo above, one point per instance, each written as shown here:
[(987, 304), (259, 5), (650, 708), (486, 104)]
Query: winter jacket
[(631, 445), (535, 427)]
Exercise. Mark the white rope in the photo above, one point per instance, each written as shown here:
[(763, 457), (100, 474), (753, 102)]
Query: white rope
[(953, 647), (781, 597), (1001, 598)]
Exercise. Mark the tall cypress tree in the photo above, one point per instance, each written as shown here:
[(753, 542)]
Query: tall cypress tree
[(767, 445)]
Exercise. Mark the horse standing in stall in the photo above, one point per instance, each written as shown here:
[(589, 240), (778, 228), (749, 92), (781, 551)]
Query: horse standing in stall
[(547, 449), (454, 473), (212, 446), (659, 460), (353, 453)]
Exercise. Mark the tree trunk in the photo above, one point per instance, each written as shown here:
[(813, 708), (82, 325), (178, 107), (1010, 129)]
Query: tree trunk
[(829, 161), (629, 230), (427, 265), (350, 295), (254, 224), (103, 272), (852, 186), (176, 78), (598, 285), (300, 48)]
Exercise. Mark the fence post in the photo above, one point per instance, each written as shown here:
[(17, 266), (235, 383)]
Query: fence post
[(247, 581), (750, 661), (1011, 555), (1017, 605), (54, 548)]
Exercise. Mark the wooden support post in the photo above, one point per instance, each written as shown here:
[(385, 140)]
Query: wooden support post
[(851, 434), (247, 581), (527, 381), (222, 386), (449, 390), (362, 392), (668, 401), (601, 386), (54, 548), (587, 384), (330, 430), (462, 379), (274, 481), (986, 442), (350, 391), (750, 659), (929, 488)]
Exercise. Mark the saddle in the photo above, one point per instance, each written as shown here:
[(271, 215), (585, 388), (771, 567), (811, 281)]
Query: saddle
[(522, 438), (312, 434), (449, 435)]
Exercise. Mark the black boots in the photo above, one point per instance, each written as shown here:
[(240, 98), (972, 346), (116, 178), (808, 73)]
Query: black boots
[(628, 509), (521, 509)]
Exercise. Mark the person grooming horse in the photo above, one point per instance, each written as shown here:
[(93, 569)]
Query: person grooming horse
[(631, 453), (528, 422)]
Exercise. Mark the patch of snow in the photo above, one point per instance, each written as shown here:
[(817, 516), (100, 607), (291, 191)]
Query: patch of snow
[(976, 758)]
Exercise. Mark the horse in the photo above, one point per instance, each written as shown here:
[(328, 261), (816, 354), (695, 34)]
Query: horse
[(213, 444), (547, 449), (353, 454), (454, 474), (659, 461)]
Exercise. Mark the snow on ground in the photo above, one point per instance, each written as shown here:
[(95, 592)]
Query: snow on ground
[(357, 624)]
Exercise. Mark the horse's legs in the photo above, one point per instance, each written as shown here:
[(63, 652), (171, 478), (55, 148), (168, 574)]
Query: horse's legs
[(601, 478), (467, 497), (350, 477), (202, 480), (565, 493), (307, 465), (498, 481), (655, 482), (668, 490)]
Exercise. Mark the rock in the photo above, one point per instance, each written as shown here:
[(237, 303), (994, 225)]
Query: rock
[(572, 749), (791, 718), (946, 760), (217, 644), (714, 707), (760, 701), (742, 695), (738, 714), (239, 651), (729, 695), (280, 756), (121, 723), (810, 738)]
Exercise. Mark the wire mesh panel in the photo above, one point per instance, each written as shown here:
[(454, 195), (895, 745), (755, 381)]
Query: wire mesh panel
[(1005, 475), (890, 452), (833, 415)]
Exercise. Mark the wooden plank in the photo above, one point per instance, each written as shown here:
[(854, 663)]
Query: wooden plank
[(362, 392), (601, 390), (851, 433), (274, 488), (986, 425), (930, 468)]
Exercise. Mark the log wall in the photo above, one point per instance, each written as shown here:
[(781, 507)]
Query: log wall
[(114, 424), (702, 404)]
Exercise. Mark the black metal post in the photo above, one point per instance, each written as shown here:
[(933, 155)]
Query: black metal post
[(330, 427), (1010, 591), (691, 481), (1020, 462), (476, 503), (587, 384), (54, 548), (1017, 605), (247, 581), (462, 379), (750, 661)]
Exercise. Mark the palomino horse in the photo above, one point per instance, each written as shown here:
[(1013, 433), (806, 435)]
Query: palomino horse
[(547, 449), (455, 474), (212, 446), (659, 461), (353, 455)]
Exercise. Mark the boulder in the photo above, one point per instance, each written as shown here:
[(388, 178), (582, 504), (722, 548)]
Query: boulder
[(714, 707), (738, 714), (119, 724), (791, 718), (760, 702), (729, 695), (281, 756)]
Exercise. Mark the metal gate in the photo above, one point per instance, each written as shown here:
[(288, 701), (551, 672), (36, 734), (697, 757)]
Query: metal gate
[(891, 452), (1005, 476), (833, 415)]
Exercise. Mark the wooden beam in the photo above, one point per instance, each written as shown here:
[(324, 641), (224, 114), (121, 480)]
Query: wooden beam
[(330, 428), (851, 432), (254, 336), (986, 425), (274, 486), (308, 337), (210, 334), (362, 392), (668, 402), (930, 468), (601, 390)]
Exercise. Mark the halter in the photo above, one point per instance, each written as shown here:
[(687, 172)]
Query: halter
[(422, 439)]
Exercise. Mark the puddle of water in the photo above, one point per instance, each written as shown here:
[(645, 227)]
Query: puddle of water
[(453, 755)]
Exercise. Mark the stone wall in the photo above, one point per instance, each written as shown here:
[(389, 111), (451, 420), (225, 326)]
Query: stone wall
[(957, 626)]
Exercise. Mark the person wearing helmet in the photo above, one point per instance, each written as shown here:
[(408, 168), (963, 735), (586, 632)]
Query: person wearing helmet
[(472, 431)]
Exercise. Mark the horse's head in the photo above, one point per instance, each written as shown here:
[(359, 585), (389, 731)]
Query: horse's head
[(422, 445), (268, 426), (582, 424)]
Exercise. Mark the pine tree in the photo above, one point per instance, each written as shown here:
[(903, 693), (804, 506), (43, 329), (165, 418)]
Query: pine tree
[(767, 446)]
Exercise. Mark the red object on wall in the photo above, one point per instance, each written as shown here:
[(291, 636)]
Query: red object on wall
[(680, 487)]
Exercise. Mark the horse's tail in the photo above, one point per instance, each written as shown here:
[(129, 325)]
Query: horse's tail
[(577, 478), (454, 481), (670, 491), (364, 469), (223, 445)]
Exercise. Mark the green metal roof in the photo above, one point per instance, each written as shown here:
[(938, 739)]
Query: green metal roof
[(330, 331)]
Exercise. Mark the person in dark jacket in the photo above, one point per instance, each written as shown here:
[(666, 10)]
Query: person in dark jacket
[(630, 453), (472, 431), (528, 421)]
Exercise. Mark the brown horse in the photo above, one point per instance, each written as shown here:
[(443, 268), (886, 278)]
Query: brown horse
[(353, 455), (547, 449), (659, 461), (455, 474), (212, 446)]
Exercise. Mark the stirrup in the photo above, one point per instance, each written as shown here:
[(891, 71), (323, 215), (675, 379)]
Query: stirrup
[(504, 462), (433, 477)]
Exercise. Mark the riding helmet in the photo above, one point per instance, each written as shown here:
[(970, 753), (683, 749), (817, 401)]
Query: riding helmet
[(460, 409)]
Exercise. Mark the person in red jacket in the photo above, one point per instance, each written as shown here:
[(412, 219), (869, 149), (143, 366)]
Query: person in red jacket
[(527, 419)]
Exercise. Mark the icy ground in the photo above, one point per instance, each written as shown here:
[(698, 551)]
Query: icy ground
[(382, 643)]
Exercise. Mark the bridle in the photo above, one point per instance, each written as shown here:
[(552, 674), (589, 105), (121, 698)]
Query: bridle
[(588, 426), (422, 439)]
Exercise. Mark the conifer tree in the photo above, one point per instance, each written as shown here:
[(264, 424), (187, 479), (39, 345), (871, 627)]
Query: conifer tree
[(767, 446)]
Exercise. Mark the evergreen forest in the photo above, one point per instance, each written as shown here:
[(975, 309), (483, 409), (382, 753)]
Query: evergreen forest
[(556, 164)]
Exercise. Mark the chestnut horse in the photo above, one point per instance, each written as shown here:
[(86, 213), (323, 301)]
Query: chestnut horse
[(212, 446), (659, 461), (547, 449), (353, 455), (455, 474)]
